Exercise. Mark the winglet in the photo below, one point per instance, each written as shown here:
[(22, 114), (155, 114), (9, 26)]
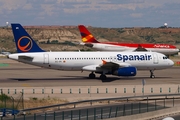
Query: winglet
[(24, 42), (86, 35)]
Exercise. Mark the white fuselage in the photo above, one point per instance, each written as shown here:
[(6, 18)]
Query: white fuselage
[(74, 61), (109, 47)]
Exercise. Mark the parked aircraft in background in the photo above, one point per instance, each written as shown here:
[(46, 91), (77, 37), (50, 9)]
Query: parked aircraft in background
[(89, 40), (115, 63), (5, 53)]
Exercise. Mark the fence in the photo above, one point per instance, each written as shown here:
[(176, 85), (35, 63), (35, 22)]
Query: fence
[(110, 111), (139, 89), (10, 102), (89, 90)]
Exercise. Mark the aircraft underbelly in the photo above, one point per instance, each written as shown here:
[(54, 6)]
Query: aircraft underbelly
[(151, 67), (67, 65), (113, 49), (163, 50)]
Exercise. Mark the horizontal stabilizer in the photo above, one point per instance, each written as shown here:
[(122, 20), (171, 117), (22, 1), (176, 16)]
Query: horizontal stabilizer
[(26, 58)]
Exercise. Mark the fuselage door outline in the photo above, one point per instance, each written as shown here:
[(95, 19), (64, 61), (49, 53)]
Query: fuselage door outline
[(46, 58), (155, 58)]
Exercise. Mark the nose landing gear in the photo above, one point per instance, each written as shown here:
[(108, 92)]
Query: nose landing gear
[(93, 76), (152, 74)]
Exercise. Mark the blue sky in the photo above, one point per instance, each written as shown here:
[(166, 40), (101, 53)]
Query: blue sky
[(97, 13)]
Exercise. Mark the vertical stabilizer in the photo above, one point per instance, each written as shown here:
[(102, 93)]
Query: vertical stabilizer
[(24, 42), (86, 35)]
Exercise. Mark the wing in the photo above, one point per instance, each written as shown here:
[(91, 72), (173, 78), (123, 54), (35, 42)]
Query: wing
[(112, 65), (140, 48), (87, 44), (105, 66)]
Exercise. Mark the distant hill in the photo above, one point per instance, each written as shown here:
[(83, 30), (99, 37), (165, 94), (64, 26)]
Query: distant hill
[(65, 38)]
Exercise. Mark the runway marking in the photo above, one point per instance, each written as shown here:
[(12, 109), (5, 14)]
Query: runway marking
[(26, 85), (3, 65)]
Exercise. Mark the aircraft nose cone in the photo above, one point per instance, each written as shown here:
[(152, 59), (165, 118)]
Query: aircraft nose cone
[(177, 50), (170, 63)]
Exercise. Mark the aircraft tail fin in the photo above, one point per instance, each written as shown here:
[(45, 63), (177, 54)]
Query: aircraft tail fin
[(24, 42), (86, 35)]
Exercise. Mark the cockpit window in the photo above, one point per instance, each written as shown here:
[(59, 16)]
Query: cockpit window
[(165, 57)]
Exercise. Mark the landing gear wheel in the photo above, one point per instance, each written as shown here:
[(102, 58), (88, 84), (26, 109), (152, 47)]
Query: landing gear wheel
[(103, 77), (152, 74), (92, 75)]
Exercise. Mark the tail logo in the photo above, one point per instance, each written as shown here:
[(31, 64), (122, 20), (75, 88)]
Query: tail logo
[(87, 38), (25, 43)]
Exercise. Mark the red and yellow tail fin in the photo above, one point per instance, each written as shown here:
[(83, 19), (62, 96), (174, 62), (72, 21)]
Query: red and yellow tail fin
[(86, 35)]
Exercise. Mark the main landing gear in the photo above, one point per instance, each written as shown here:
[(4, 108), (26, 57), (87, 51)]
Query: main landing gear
[(152, 74), (93, 76), (103, 77)]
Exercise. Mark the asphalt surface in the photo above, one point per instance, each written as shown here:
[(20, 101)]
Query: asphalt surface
[(14, 74)]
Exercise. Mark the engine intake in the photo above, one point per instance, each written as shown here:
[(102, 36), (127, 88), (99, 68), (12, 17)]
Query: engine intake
[(125, 71)]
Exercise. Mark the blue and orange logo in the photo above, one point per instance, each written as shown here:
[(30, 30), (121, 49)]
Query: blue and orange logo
[(25, 43)]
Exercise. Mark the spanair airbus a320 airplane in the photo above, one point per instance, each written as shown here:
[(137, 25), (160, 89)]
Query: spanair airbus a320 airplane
[(115, 63), (89, 40)]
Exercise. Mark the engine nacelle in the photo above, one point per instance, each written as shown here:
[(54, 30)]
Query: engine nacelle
[(125, 71)]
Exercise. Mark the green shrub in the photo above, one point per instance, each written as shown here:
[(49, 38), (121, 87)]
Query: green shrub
[(4, 97)]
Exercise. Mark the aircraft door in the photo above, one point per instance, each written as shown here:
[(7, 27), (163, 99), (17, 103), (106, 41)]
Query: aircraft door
[(155, 58), (46, 58)]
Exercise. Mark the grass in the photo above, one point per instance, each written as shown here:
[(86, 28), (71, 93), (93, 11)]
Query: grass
[(8, 102), (36, 102)]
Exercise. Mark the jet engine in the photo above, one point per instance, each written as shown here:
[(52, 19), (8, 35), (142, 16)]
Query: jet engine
[(125, 71)]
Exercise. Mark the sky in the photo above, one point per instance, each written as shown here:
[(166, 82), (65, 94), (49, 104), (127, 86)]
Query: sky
[(96, 13)]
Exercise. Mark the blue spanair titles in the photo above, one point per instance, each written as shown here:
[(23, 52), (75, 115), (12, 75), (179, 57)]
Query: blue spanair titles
[(124, 58)]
